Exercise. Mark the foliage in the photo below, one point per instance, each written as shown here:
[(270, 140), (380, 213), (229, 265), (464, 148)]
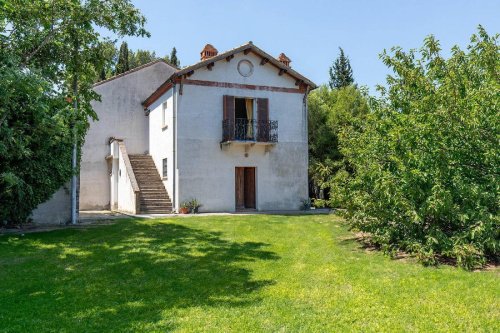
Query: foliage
[(341, 72), (173, 58), (330, 111), (193, 205), (426, 162), (51, 53), (35, 141), (238, 273), (305, 204), (141, 57), (123, 59), (109, 56), (115, 64)]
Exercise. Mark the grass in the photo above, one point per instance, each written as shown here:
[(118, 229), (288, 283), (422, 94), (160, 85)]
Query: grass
[(231, 274)]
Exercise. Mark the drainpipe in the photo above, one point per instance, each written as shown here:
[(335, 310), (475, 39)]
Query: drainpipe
[(306, 116), (174, 144), (74, 166)]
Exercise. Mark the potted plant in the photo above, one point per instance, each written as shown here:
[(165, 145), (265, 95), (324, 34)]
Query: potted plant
[(184, 209), (305, 204), (194, 205)]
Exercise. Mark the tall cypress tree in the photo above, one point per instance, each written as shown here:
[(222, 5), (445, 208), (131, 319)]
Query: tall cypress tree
[(102, 74), (123, 59), (173, 58), (341, 72)]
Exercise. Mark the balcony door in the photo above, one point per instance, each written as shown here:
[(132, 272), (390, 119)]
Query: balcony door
[(245, 188), (239, 119), (244, 119)]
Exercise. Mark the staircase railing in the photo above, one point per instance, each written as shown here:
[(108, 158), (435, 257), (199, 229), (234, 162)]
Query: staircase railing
[(127, 186)]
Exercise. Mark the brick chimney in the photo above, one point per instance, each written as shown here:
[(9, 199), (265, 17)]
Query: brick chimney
[(284, 59), (208, 52)]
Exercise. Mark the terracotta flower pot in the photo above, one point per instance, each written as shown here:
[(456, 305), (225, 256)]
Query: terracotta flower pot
[(184, 210)]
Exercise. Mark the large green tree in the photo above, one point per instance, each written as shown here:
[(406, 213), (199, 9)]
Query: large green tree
[(427, 162), (51, 54), (330, 112), (341, 72), (141, 57)]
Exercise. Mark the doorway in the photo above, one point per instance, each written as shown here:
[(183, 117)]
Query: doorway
[(244, 118), (245, 188)]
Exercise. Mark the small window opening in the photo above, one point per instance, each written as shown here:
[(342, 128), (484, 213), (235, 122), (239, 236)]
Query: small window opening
[(164, 168), (164, 114)]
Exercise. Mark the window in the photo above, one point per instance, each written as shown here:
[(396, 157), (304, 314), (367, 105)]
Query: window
[(164, 115), (165, 168)]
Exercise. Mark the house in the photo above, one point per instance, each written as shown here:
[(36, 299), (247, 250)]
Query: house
[(230, 131)]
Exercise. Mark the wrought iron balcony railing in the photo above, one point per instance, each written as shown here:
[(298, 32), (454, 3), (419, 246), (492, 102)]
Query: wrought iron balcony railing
[(242, 129)]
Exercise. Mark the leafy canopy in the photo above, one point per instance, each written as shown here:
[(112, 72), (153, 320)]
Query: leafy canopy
[(426, 162), (330, 111), (48, 51)]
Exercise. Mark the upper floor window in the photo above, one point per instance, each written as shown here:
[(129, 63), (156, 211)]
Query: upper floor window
[(164, 109)]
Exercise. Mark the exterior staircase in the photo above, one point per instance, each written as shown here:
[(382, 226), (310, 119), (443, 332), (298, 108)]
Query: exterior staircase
[(154, 198)]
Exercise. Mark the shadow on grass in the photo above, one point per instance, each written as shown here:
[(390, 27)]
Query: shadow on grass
[(129, 275)]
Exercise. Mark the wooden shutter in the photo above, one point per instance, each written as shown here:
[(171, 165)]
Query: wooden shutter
[(263, 119), (228, 118)]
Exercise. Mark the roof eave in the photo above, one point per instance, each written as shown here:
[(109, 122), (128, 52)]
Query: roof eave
[(164, 87)]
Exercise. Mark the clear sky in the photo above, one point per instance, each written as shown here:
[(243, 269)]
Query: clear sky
[(310, 32)]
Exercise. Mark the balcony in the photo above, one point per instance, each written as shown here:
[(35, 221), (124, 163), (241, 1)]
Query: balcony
[(250, 131)]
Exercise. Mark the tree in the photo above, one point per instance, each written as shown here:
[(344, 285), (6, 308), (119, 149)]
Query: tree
[(141, 57), (51, 53), (173, 58), (108, 56), (330, 112), (123, 59), (426, 162), (341, 72)]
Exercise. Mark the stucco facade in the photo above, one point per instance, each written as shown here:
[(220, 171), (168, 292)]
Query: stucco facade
[(205, 168), (176, 117), (120, 116)]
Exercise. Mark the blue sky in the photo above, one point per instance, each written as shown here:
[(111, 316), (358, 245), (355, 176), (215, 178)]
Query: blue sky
[(310, 32)]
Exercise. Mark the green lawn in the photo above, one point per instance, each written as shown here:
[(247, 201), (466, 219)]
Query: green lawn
[(231, 274)]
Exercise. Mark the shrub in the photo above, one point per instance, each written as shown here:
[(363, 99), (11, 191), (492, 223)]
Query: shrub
[(426, 161)]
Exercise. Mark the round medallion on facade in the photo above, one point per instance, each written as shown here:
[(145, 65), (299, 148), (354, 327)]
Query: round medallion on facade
[(245, 68)]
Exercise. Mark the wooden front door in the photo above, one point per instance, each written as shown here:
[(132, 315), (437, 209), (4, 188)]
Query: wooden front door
[(245, 187)]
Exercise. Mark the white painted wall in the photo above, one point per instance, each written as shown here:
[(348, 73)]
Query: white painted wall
[(121, 115), (127, 195), (56, 210), (208, 173), (161, 137)]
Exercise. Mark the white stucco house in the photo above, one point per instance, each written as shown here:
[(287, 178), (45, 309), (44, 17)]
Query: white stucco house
[(229, 131)]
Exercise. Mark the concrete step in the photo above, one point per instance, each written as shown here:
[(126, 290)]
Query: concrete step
[(156, 212), (157, 208), (156, 203), (142, 166), (152, 187), (154, 198), (152, 192)]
